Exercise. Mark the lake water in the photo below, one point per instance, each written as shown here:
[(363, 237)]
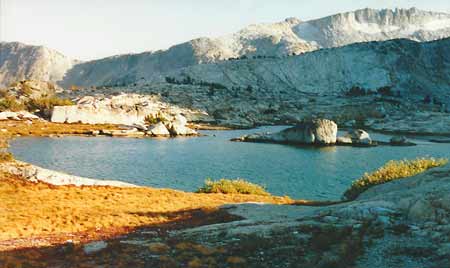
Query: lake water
[(184, 163)]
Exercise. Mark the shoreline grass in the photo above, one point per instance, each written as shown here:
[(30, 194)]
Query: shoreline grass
[(237, 186), (40, 210), (392, 170)]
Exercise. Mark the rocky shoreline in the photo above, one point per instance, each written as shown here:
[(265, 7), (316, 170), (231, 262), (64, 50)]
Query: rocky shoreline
[(398, 224), (37, 174)]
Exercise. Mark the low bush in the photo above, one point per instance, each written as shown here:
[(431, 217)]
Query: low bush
[(392, 170), (155, 119), (6, 157), (237, 186), (47, 103), (11, 104)]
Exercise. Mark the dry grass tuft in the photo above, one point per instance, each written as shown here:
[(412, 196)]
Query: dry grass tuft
[(6, 157), (238, 186), (42, 128), (10, 103), (47, 103), (392, 170)]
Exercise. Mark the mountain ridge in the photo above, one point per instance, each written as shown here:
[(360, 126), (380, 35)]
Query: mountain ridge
[(291, 36), (401, 64)]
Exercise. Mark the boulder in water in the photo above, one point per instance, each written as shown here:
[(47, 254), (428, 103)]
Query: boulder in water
[(158, 129), (344, 140), (319, 131), (359, 136), (400, 141), (178, 127)]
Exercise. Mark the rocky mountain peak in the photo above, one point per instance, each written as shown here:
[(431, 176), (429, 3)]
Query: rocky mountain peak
[(19, 61)]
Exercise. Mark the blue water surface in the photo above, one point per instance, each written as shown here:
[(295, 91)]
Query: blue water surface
[(184, 163)]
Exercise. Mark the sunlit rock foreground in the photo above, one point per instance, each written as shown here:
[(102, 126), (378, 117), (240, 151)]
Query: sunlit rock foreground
[(405, 223)]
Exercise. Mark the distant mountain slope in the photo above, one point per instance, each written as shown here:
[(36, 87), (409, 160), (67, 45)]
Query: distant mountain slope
[(277, 39), (24, 62), (403, 65), (19, 61)]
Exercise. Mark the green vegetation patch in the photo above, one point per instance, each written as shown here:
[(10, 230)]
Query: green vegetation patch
[(237, 186), (10, 103), (155, 119), (392, 170), (47, 103)]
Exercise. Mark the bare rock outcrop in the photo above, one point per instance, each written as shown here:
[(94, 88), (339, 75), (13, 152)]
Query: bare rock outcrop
[(126, 109)]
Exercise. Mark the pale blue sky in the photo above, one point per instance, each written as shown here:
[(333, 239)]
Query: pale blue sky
[(89, 29)]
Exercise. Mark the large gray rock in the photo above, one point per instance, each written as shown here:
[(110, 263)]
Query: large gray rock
[(325, 131), (318, 131)]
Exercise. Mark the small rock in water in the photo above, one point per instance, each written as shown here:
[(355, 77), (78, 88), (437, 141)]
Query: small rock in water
[(359, 136), (94, 247), (400, 140), (344, 140)]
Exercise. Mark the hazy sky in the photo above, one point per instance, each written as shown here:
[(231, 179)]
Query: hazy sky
[(89, 29)]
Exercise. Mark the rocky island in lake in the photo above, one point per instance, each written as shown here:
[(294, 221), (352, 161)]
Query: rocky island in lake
[(299, 143)]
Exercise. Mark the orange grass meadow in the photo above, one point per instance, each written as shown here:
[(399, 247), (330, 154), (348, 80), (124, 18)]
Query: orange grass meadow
[(38, 210)]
